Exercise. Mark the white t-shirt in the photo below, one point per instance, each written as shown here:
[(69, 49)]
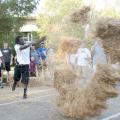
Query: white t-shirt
[(1, 54), (72, 59), (83, 54), (23, 56)]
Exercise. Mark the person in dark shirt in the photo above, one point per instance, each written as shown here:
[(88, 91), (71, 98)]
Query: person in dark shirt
[(6, 52)]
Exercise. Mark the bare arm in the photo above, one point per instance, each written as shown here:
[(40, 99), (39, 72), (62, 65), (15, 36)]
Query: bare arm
[(2, 61), (29, 44), (25, 46)]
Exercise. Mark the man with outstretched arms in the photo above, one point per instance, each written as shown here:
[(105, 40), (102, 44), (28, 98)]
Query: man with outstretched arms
[(21, 71)]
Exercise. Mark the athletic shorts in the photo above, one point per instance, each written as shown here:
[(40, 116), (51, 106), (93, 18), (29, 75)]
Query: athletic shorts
[(21, 72), (6, 67)]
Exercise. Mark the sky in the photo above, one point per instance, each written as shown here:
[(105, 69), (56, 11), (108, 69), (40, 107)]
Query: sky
[(39, 8), (101, 4), (98, 5)]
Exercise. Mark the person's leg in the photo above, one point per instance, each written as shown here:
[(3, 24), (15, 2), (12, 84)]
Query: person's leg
[(25, 91), (1, 84), (39, 69), (1, 72), (36, 70), (79, 72), (25, 79), (51, 70), (94, 68), (8, 77), (85, 72), (7, 66), (17, 76)]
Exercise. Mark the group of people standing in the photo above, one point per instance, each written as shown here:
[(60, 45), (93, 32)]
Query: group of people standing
[(37, 58), (27, 61), (85, 60)]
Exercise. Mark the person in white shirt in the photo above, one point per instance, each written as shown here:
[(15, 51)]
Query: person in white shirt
[(72, 62), (21, 71), (1, 61), (83, 57), (98, 55)]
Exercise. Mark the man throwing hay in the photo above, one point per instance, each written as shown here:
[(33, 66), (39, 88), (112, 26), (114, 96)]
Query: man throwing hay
[(21, 71)]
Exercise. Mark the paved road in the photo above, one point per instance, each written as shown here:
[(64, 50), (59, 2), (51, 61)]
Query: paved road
[(41, 106)]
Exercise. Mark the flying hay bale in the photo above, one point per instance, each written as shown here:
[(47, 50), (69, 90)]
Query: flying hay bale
[(90, 101), (67, 45), (108, 30), (63, 79), (81, 16), (112, 49), (35, 81), (63, 82)]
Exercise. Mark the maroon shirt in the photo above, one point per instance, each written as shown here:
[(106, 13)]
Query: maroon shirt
[(32, 67)]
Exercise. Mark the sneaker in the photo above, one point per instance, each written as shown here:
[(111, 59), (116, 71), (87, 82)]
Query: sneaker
[(24, 96)]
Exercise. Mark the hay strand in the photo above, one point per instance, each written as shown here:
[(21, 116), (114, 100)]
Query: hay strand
[(89, 101), (81, 16), (108, 30)]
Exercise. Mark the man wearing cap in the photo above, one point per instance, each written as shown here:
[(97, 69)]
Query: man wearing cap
[(42, 52)]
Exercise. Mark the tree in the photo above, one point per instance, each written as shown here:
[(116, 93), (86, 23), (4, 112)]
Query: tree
[(13, 14), (56, 13), (51, 21)]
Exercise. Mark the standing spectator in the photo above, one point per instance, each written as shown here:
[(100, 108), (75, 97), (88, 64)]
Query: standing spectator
[(51, 62), (21, 71), (1, 60), (72, 61), (6, 52), (34, 55), (98, 55), (83, 58), (42, 52), (32, 67), (33, 52)]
